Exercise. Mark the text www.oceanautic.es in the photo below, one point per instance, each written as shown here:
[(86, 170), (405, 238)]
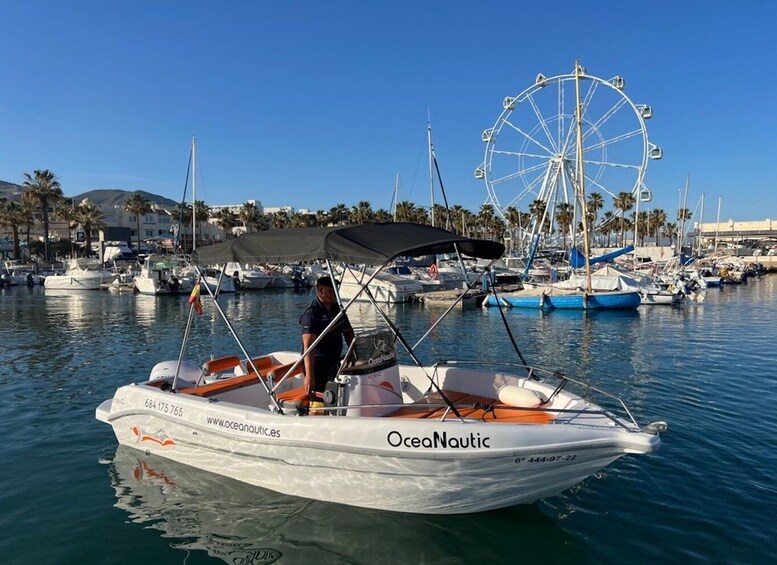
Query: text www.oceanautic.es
[(243, 427)]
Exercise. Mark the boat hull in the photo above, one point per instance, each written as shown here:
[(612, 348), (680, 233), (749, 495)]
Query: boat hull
[(406, 465), (594, 301), (87, 281), (662, 298)]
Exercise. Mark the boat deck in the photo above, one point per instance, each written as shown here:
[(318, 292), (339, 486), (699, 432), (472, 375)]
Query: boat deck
[(432, 406)]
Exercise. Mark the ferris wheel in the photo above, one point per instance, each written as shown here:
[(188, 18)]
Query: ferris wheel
[(531, 151)]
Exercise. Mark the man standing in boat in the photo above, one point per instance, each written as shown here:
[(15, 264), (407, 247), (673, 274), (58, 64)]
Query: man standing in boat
[(321, 365)]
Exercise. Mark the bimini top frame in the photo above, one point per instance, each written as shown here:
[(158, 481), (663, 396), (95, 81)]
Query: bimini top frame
[(367, 244)]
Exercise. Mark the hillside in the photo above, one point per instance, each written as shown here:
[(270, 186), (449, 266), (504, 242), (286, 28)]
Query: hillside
[(10, 190), (100, 197), (115, 197)]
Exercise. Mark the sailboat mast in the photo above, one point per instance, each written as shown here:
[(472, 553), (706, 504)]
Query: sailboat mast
[(683, 208), (717, 225), (581, 176), (701, 221), (396, 195), (194, 194), (431, 167)]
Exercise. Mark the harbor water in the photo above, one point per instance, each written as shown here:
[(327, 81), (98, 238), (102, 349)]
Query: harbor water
[(68, 495)]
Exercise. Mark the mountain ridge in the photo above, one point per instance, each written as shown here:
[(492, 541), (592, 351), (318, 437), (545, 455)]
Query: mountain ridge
[(99, 197)]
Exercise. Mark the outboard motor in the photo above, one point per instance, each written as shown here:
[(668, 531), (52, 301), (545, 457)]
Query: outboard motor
[(369, 377), (174, 284)]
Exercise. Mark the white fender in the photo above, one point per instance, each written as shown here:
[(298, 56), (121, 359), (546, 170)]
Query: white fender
[(520, 397)]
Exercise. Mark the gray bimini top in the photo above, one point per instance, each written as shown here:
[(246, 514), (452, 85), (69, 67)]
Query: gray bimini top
[(367, 244)]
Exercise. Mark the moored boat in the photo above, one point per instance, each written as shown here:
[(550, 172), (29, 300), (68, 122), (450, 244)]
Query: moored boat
[(440, 437), (81, 274), (550, 297)]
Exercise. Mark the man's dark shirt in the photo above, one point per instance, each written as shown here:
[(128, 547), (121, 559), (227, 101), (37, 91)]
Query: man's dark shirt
[(314, 320)]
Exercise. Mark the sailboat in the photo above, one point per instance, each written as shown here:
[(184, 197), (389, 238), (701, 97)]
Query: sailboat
[(583, 297)]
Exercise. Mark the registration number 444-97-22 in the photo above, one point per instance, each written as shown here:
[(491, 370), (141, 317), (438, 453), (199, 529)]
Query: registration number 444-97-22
[(164, 407), (546, 458)]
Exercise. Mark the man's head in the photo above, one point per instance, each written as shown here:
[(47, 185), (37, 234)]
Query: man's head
[(325, 291)]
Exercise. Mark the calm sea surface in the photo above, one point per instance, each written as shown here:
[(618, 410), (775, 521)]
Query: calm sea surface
[(68, 495)]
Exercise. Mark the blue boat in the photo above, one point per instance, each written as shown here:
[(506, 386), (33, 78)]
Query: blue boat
[(575, 300)]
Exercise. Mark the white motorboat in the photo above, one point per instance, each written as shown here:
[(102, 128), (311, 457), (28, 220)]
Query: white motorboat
[(212, 278), (21, 273), (438, 437), (251, 279), (165, 274), (383, 286), (81, 274)]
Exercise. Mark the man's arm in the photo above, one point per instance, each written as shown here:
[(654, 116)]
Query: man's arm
[(310, 378)]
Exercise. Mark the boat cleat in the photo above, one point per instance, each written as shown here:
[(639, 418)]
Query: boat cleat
[(657, 427)]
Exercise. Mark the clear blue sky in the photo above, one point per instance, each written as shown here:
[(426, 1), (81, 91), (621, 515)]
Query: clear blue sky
[(311, 104)]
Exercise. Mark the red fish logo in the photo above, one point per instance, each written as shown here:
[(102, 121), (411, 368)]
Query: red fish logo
[(157, 437)]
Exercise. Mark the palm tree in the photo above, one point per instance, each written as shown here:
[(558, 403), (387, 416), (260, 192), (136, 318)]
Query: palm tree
[(457, 215), (263, 223), (486, 217), (44, 188), (322, 218), (656, 221), (537, 210), (623, 202), (249, 215), (67, 212), (183, 218), (441, 216), (382, 216), (420, 216), (405, 211), (225, 219), (360, 213), (594, 204), (608, 225), (670, 229), (12, 214), (89, 217), (642, 225), (29, 205), (683, 214), (338, 215), (467, 223), (202, 212), (280, 219), (302, 220), (137, 205), (565, 214)]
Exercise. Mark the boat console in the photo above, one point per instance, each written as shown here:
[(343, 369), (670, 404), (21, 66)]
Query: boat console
[(369, 378)]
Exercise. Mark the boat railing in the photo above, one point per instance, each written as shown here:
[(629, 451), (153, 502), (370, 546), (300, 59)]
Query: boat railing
[(574, 413), (538, 374)]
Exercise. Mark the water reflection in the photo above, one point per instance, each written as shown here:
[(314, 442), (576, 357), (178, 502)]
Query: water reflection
[(239, 523)]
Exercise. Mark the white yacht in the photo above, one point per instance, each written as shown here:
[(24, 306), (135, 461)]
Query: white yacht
[(384, 287), (247, 277), (164, 274), (81, 274)]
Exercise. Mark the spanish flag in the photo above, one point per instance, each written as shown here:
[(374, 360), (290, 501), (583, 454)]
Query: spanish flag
[(194, 298)]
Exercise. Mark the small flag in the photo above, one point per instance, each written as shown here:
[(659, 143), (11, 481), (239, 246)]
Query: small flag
[(194, 298)]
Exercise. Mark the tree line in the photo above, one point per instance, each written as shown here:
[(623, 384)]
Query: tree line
[(43, 200)]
